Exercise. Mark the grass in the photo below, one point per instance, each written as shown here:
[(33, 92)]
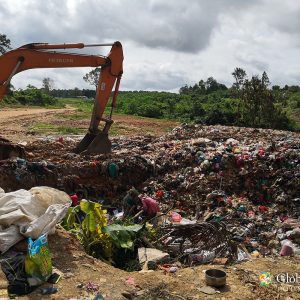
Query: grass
[(44, 128), (84, 108)]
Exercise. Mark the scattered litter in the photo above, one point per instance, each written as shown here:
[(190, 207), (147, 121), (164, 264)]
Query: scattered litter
[(130, 280), (38, 262), (92, 287), (215, 277), (225, 194), (98, 297), (167, 268)]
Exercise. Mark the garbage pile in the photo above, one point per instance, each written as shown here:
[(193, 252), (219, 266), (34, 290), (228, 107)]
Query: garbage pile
[(246, 178), (225, 194)]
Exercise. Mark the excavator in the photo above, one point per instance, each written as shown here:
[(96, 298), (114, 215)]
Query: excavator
[(44, 55)]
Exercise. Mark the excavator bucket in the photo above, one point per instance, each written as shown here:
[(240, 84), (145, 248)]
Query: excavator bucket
[(100, 144), (94, 144)]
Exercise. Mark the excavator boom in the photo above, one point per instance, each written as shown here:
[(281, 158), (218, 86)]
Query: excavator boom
[(42, 55)]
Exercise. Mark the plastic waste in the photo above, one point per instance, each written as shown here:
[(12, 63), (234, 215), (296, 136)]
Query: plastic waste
[(242, 255), (255, 254), (176, 217), (74, 199), (287, 248), (173, 270), (38, 264), (202, 257), (98, 297), (48, 290)]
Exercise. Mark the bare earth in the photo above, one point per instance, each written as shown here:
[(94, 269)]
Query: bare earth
[(16, 124), (8, 113), (13, 121)]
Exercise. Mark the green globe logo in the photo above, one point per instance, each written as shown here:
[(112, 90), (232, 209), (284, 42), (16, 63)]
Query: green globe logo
[(265, 278)]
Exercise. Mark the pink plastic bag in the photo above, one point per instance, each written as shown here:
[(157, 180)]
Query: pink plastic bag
[(176, 217)]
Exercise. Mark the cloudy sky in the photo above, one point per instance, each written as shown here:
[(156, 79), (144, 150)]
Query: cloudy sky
[(167, 43)]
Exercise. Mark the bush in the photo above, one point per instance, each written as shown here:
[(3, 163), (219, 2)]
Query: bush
[(150, 111), (31, 96)]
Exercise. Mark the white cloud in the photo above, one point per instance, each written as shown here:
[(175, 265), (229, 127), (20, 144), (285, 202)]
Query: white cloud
[(166, 43)]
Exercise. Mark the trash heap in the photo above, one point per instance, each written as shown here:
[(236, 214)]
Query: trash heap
[(247, 178)]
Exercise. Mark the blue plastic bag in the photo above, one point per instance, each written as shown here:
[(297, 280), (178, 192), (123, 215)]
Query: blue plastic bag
[(38, 264)]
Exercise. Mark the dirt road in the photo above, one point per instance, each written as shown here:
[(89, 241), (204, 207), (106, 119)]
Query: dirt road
[(16, 122), (9, 113)]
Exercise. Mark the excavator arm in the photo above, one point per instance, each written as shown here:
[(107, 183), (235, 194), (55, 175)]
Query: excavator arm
[(41, 55)]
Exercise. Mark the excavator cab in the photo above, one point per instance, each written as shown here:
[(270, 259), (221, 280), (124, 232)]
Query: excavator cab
[(42, 55)]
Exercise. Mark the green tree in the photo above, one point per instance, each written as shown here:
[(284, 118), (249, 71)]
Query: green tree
[(77, 92), (211, 85), (48, 84), (239, 75), (202, 87), (257, 102), (184, 90), (33, 96), (4, 43), (92, 77)]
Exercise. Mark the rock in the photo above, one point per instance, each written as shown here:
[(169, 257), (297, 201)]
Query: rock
[(208, 290), (152, 254)]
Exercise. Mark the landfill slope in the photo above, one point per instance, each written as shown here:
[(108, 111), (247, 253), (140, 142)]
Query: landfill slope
[(187, 163)]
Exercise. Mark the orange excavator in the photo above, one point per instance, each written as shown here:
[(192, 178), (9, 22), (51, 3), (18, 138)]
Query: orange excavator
[(43, 55)]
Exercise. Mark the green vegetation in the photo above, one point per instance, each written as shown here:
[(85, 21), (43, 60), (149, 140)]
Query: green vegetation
[(84, 108), (44, 128), (114, 243), (4, 43), (31, 96), (249, 102), (87, 221)]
